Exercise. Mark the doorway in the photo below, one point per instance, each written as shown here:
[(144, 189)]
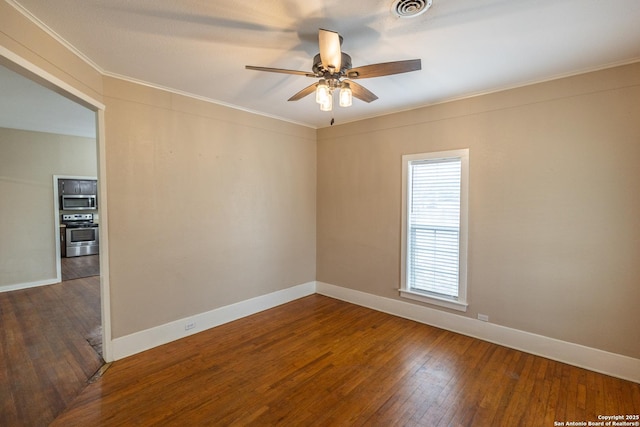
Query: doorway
[(75, 201), (79, 267), (45, 80), (33, 297)]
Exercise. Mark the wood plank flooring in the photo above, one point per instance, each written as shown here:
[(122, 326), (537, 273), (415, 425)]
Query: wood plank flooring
[(79, 266), (321, 362), (45, 354)]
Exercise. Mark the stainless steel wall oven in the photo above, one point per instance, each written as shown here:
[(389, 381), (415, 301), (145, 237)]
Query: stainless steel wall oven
[(81, 235)]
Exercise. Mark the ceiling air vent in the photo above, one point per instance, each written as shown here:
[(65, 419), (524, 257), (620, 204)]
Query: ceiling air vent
[(410, 8)]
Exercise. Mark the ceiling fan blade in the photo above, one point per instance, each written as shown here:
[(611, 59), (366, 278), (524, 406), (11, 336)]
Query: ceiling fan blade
[(330, 54), (279, 70), (304, 92), (361, 92), (384, 69)]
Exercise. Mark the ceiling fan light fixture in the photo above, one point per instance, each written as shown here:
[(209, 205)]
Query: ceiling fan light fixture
[(332, 65), (346, 96), (322, 92)]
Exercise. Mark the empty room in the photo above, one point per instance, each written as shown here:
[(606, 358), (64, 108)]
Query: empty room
[(320, 213)]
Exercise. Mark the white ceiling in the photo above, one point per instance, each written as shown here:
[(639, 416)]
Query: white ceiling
[(467, 47)]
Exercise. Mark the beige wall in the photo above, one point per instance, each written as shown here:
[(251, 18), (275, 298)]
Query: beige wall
[(208, 206), (554, 220), (28, 161)]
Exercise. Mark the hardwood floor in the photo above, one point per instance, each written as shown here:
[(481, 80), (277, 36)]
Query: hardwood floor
[(46, 352), (320, 361), (79, 266)]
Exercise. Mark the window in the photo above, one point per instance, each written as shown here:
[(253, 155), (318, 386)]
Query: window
[(434, 228)]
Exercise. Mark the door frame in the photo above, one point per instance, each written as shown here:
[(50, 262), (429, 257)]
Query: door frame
[(31, 71)]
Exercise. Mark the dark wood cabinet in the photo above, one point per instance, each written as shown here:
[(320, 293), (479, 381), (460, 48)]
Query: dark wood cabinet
[(78, 186)]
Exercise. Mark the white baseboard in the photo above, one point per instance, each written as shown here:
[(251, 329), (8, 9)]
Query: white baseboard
[(153, 337), (18, 286), (613, 364)]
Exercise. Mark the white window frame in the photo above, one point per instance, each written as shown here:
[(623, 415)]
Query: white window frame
[(459, 303)]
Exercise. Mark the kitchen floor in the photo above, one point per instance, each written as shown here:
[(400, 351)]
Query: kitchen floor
[(80, 266)]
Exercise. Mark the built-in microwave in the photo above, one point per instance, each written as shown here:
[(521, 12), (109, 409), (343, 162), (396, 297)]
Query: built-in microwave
[(79, 202)]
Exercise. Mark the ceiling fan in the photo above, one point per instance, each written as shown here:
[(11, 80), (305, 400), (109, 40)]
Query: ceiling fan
[(333, 68)]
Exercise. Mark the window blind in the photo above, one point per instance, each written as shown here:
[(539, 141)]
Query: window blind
[(434, 226)]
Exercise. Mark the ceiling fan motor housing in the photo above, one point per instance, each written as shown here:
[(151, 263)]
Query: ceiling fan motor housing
[(320, 71)]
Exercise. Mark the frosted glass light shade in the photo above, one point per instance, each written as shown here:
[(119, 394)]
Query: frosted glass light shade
[(345, 95), (327, 105), (322, 92)]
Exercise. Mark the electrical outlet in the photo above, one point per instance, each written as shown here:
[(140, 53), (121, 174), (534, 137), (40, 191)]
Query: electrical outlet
[(189, 325), (483, 317)]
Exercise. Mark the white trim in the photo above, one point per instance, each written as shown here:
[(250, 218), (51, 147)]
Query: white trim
[(162, 334), (604, 362), (205, 99), (495, 90), (27, 285), (56, 228), (75, 177), (50, 81), (57, 37), (432, 299), (105, 292)]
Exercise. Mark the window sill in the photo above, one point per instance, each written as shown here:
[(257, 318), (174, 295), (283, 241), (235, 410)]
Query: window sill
[(441, 302)]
